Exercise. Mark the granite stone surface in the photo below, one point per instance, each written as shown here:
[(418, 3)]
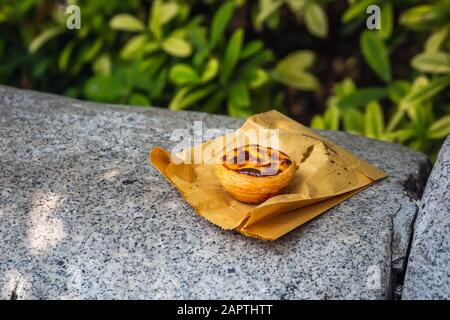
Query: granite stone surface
[(428, 271), (84, 215)]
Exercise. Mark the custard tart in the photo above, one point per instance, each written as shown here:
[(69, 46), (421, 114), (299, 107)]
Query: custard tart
[(253, 173)]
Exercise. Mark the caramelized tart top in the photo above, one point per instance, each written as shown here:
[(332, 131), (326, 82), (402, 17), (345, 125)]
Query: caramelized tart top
[(256, 160)]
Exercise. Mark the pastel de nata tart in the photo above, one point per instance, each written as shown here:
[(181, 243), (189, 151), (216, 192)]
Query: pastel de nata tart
[(253, 173)]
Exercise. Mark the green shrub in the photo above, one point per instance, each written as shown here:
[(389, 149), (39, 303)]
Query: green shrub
[(231, 57), (417, 112)]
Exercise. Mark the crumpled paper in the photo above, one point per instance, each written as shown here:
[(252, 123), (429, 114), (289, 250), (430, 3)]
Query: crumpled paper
[(327, 175)]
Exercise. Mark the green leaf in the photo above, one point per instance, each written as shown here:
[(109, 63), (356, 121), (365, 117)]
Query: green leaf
[(344, 88), (238, 112), (89, 52), (134, 47), (420, 116), (296, 6), (210, 70), (138, 99), (274, 20), (297, 61), (213, 103), (182, 74), (64, 57), (239, 94), (159, 84), (259, 78), (179, 33), (184, 10), (316, 20), (177, 47), (135, 78), (298, 80), (251, 48), (102, 65), (419, 17), (433, 62), (256, 61), (152, 64), (151, 47), (290, 71), (178, 98), (332, 117), (361, 97), (417, 144), (104, 89), (220, 22), (353, 121), (168, 12), (373, 121), (399, 135), (398, 89), (231, 56), (357, 9), (428, 91), (72, 92), (440, 128), (409, 107), (376, 55), (395, 120), (199, 57), (126, 22), (85, 54), (154, 19), (43, 37), (317, 122), (266, 9), (386, 20), (187, 97), (436, 40)]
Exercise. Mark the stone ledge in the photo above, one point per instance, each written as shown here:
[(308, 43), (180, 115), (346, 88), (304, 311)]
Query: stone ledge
[(428, 271), (84, 215)]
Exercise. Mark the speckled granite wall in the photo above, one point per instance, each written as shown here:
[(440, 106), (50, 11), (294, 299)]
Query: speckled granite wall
[(428, 272), (84, 215)]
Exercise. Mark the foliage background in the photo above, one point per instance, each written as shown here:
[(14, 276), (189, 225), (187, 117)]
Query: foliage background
[(314, 60)]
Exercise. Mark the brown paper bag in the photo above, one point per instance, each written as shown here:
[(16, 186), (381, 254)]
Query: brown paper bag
[(327, 175)]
